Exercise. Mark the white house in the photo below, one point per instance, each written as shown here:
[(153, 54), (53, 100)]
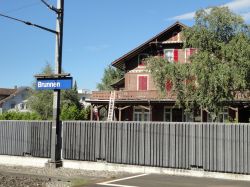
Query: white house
[(14, 99)]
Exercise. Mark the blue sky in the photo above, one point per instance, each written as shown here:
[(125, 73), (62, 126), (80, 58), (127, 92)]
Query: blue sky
[(96, 32)]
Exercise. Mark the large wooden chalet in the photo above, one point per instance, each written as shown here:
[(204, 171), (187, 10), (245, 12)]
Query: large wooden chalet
[(136, 97)]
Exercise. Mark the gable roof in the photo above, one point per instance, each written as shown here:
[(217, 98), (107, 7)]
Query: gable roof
[(119, 62), (13, 94), (6, 91)]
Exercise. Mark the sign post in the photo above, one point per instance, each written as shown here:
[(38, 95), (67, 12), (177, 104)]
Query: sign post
[(57, 82)]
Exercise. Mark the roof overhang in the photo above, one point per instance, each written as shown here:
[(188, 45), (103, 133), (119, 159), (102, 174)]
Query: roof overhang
[(119, 63), (119, 83)]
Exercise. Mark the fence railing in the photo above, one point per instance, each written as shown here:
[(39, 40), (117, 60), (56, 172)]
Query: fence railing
[(212, 147), (21, 138)]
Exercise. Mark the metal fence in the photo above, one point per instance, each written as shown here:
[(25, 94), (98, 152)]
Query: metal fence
[(212, 147), (20, 138)]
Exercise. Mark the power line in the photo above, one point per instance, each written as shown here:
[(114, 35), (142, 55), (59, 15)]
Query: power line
[(51, 7), (29, 23), (22, 7), (57, 11)]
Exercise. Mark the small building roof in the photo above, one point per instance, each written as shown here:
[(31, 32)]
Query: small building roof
[(13, 94), (6, 91)]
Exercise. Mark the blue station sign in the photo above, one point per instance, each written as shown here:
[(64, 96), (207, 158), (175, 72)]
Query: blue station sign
[(54, 83)]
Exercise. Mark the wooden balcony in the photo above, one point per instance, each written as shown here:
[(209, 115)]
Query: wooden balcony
[(152, 95), (130, 95)]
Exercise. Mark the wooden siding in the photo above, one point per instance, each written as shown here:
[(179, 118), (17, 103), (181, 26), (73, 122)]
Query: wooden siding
[(131, 79)]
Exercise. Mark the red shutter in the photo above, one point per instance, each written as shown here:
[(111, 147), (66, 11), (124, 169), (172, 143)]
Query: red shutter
[(168, 86), (189, 52), (192, 51), (175, 55), (143, 82)]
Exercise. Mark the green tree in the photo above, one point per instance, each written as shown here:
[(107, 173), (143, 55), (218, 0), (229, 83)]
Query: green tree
[(219, 69), (71, 107), (110, 76), (41, 102), (70, 97), (74, 113)]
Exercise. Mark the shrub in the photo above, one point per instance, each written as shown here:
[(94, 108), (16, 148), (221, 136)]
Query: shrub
[(19, 116)]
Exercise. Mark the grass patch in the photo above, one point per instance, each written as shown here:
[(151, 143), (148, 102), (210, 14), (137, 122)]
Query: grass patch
[(78, 182)]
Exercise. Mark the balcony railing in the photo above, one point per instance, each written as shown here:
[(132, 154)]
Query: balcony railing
[(130, 95), (150, 95)]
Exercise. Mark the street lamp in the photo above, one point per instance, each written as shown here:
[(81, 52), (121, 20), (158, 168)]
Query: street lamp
[(56, 140)]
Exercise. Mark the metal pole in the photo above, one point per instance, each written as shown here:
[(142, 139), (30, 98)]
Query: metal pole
[(56, 139)]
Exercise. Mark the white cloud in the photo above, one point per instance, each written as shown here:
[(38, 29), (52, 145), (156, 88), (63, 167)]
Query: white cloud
[(246, 16), (236, 5), (187, 16)]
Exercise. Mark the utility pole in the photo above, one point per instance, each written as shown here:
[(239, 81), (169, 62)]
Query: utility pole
[(56, 139)]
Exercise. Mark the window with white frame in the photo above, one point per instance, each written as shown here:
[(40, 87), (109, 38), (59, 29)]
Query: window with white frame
[(21, 106), (169, 55), (223, 115), (167, 114), (141, 114)]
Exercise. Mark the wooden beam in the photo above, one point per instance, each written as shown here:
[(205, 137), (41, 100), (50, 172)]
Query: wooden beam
[(120, 115), (237, 115), (201, 114), (234, 109), (147, 108), (206, 110), (150, 113), (91, 113), (120, 111), (123, 108), (99, 106)]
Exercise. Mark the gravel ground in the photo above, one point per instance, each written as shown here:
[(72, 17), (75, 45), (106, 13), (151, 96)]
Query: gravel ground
[(12, 176)]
